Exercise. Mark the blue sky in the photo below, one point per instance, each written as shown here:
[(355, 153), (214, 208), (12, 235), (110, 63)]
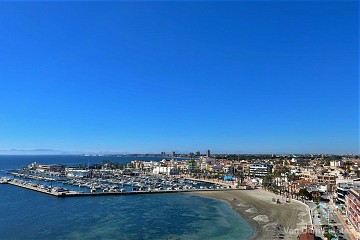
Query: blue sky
[(239, 77)]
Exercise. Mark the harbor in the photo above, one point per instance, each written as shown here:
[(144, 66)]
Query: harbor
[(61, 181), (59, 192)]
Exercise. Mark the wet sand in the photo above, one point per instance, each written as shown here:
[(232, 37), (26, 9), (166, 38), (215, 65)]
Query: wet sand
[(269, 219)]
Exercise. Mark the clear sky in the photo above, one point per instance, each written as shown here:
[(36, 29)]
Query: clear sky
[(239, 77)]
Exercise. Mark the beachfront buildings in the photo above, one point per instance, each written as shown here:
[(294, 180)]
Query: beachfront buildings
[(342, 189), (353, 207), (260, 169), (206, 163)]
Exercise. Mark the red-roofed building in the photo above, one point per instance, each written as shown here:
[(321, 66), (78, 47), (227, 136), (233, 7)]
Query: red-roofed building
[(306, 236)]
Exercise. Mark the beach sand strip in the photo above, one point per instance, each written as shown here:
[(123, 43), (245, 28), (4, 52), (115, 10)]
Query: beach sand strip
[(269, 219)]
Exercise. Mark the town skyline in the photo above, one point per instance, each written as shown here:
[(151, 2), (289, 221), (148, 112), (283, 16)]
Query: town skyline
[(162, 153)]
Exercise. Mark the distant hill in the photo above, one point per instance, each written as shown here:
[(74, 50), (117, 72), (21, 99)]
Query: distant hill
[(33, 152)]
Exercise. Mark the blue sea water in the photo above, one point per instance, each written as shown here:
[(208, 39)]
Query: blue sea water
[(30, 215), (18, 161)]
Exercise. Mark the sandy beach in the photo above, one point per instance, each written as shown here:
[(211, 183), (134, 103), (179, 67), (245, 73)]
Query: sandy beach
[(269, 219)]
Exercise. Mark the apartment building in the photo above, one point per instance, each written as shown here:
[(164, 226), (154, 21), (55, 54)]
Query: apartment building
[(353, 207), (260, 169)]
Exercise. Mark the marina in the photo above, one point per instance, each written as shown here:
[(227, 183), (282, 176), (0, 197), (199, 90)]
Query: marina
[(58, 192), (61, 181), (100, 183)]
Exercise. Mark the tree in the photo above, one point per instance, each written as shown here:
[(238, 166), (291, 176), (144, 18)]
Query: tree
[(291, 177), (303, 193), (267, 181), (240, 175)]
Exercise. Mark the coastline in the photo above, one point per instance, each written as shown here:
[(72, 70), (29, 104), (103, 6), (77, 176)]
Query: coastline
[(268, 219)]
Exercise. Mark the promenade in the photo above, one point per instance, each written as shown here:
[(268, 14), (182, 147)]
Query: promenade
[(350, 230)]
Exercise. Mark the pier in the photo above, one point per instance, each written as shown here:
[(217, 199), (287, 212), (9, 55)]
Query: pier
[(83, 194)]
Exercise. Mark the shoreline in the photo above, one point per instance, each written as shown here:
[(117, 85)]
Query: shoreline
[(268, 219)]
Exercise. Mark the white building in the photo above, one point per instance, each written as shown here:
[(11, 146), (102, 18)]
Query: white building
[(205, 162), (165, 170), (336, 163), (77, 173), (148, 166), (260, 169)]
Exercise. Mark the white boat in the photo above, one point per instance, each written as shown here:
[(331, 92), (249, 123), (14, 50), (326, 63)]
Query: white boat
[(4, 180)]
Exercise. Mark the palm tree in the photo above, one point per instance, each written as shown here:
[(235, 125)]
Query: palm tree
[(267, 181), (240, 175), (276, 174), (303, 193)]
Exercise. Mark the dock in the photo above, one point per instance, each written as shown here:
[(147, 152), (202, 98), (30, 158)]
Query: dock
[(83, 194)]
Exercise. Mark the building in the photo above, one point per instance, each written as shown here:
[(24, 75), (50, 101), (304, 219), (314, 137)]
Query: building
[(260, 169), (208, 153), (163, 154), (148, 166), (307, 235), (328, 179), (336, 163), (217, 168), (165, 170), (206, 163), (173, 154), (229, 169), (78, 173), (192, 166), (198, 154), (308, 174), (137, 164), (50, 167), (342, 189), (353, 207)]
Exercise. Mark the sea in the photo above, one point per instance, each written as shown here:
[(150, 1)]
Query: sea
[(27, 214)]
